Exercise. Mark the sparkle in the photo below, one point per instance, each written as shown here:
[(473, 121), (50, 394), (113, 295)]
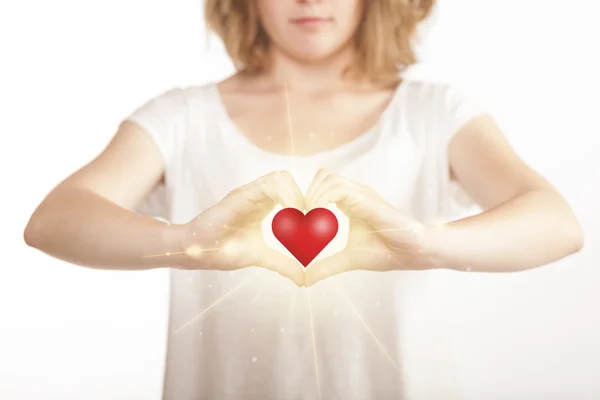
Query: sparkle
[(163, 254), (251, 329), (200, 333), (209, 224), (167, 254), (230, 248), (282, 330), (210, 286), (254, 359), (332, 133), (194, 251), (216, 242), (194, 234), (378, 303), (269, 138)]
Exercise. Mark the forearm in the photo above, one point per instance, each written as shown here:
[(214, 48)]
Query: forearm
[(528, 231), (85, 229)]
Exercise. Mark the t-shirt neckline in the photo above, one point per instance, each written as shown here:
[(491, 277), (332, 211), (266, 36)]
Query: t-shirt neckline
[(372, 133)]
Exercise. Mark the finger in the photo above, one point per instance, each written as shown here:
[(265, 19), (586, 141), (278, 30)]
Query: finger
[(273, 186), (350, 197), (283, 265), (335, 264), (285, 179), (317, 180), (351, 188), (336, 194), (248, 198)]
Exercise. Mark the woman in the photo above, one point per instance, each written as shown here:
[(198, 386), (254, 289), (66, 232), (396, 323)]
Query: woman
[(317, 114)]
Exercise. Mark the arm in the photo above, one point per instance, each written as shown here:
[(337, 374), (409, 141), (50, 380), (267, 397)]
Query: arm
[(86, 219), (526, 223)]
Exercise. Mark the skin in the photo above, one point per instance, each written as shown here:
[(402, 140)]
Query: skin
[(526, 223)]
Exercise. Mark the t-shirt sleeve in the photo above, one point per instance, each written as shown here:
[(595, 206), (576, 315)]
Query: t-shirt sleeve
[(457, 108), (163, 118)]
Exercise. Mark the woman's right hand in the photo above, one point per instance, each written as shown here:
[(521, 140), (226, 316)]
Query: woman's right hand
[(228, 236)]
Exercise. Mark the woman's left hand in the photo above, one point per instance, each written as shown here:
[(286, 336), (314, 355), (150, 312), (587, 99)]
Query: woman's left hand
[(380, 238)]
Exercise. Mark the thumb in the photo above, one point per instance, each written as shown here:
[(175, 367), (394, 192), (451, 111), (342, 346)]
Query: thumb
[(327, 267), (282, 264)]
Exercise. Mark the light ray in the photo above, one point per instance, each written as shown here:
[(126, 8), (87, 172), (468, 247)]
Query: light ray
[(218, 301), (366, 326), (312, 328), (226, 227), (262, 290), (289, 115), (389, 230), (167, 254)]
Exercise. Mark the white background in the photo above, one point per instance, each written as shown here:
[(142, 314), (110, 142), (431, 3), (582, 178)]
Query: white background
[(71, 70)]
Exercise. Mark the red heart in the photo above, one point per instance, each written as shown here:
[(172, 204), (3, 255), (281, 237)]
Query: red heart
[(305, 236)]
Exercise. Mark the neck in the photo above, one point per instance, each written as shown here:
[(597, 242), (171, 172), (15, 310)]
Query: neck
[(310, 77)]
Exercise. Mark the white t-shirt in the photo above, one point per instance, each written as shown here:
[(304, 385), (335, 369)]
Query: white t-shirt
[(384, 336)]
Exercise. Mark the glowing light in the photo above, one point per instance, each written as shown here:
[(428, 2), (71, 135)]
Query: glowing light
[(230, 248), (194, 251)]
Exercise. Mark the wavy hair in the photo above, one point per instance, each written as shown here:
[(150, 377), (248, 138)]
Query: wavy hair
[(383, 39)]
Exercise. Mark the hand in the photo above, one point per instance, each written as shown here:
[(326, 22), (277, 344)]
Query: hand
[(228, 235), (381, 238)]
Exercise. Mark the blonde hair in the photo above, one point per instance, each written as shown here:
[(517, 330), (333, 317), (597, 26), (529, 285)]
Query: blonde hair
[(383, 39)]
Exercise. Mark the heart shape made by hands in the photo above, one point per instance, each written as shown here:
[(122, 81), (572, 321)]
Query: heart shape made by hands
[(305, 236)]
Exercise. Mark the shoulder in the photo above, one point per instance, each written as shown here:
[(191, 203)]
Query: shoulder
[(181, 95), (435, 93), (176, 101), (441, 105)]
